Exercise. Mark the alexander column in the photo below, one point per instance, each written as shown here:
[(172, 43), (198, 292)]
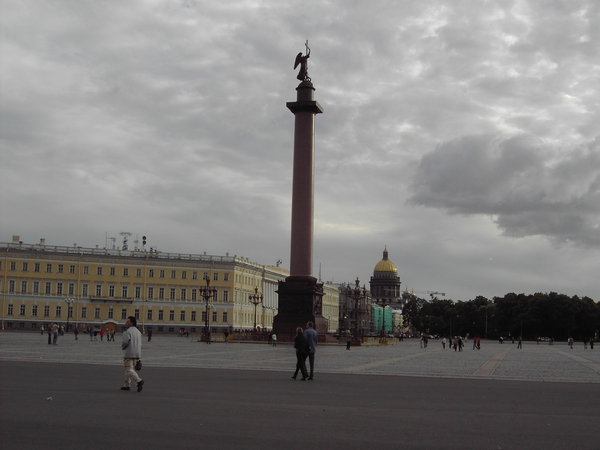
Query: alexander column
[(300, 295)]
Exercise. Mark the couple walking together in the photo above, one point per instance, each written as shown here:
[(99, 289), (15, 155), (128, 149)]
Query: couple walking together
[(305, 344)]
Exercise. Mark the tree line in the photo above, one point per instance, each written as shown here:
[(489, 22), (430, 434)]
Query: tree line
[(552, 315)]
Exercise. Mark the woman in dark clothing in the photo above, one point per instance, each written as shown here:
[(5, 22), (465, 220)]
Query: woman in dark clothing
[(301, 346)]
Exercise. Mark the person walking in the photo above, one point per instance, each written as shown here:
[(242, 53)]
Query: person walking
[(55, 333), (274, 340), (76, 332), (443, 343), (310, 334), (520, 343), (132, 352), (149, 333), (302, 349)]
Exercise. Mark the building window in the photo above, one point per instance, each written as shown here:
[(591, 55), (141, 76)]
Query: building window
[(58, 311), (36, 287), (36, 267), (111, 313), (124, 291), (25, 267), (48, 268), (173, 274), (136, 314), (172, 315), (86, 270), (61, 268), (161, 274), (138, 292), (225, 277), (161, 314), (10, 309), (194, 275), (112, 271), (71, 269), (84, 290), (150, 292), (111, 291), (11, 286), (205, 276), (149, 316), (151, 273), (99, 271), (225, 295), (124, 314), (59, 288), (181, 316), (184, 275), (34, 310), (22, 310), (225, 317), (46, 311), (125, 271), (216, 276), (13, 266), (161, 293), (71, 288), (84, 312), (48, 287), (172, 294), (214, 316), (23, 287), (193, 316), (138, 273), (194, 295), (183, 294), (97, 312)]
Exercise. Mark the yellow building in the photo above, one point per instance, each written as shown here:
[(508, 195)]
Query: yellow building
[(100, 288)]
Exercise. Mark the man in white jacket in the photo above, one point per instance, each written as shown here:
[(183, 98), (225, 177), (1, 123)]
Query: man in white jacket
[(132, 351)]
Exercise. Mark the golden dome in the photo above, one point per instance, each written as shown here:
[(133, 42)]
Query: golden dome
[(385, 265)]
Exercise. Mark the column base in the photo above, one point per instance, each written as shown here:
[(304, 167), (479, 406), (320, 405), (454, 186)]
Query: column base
[(300, 301)]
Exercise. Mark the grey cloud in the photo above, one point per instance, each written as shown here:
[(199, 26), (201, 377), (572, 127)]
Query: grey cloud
[(528, 187)]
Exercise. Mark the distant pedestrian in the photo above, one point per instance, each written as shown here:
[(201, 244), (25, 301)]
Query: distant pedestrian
[(49, 332), (42, 330), (302, 349), (520, 342), (444, 343), (102, 335), (274, 340), (132, 352), (91, 332), (591, 343), (149, 334), (570, 342), (270, 339), (76, 334), (460, 344), (55, 329)]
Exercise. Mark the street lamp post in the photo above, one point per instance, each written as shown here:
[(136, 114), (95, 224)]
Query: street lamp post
[(68, 301), (256, 299), (207, 294), (356, 294)]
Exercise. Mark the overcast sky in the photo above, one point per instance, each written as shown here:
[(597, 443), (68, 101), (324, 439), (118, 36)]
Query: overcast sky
[(462, 135)]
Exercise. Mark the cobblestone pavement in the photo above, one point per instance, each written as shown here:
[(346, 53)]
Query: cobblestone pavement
[(533, 362)]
